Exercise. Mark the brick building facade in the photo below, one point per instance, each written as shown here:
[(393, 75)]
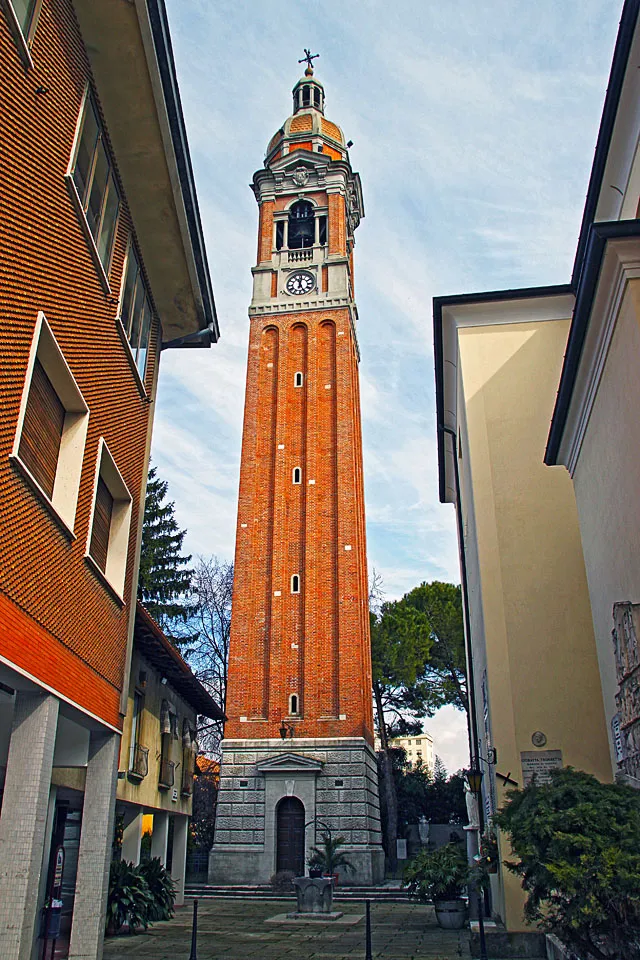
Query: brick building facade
[(298, 749), (102, 264)]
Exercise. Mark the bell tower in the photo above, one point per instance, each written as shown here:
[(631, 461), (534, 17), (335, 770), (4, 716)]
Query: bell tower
[(298, 749)]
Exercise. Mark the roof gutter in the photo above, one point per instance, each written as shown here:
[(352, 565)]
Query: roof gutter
[(619, 65), (164, 53)]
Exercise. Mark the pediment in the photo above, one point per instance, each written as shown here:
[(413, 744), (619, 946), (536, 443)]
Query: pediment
[(289, 763)]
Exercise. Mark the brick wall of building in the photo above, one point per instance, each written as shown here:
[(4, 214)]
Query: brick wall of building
[(45, 265), (316, 643)]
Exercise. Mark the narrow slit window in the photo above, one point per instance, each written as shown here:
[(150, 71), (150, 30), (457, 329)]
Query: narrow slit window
[(316, 97), (322, 232), (279, 234), (295, 583), (293, 704), (297, 380), (297, 475)]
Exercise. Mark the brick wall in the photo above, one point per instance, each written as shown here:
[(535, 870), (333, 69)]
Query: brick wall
[(45, 265), (315, 643)]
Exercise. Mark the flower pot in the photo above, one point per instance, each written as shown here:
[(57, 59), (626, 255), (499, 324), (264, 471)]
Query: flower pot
[(451, 914), (314, 873)]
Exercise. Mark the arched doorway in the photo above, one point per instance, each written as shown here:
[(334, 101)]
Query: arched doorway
[(290, 835)]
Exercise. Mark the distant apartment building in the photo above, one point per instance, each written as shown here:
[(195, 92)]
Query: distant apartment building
[(103, 265), (418, 749)]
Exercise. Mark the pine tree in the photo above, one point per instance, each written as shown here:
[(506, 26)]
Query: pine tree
[(165, 578)]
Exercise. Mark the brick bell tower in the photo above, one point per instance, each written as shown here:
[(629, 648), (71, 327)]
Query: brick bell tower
[(298, 750)]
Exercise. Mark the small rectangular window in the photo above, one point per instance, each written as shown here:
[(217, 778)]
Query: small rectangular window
[(295, 583), (135, 311), (297, 380), (109, 536), (101, 525), (52, 426), (92, 175), (279, 234), (297, 475), (322, 230), (42, 430)]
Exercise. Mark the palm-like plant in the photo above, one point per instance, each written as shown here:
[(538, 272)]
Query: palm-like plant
[(161, 886), (329, 855)]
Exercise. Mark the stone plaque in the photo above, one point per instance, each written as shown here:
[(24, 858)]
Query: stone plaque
[(539, 764)]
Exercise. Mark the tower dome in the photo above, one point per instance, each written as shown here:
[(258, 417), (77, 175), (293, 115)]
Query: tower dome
[(307, 128)]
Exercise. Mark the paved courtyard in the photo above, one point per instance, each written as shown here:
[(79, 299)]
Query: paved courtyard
[(238, 930)]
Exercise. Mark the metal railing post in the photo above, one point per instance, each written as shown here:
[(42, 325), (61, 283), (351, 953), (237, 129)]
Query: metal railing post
[(368, 955), (194, 933)]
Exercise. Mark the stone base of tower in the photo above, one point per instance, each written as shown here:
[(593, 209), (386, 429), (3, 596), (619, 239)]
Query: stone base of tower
[(271, 789)]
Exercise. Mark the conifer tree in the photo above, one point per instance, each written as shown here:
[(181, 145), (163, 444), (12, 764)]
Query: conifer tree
[(165, 578)]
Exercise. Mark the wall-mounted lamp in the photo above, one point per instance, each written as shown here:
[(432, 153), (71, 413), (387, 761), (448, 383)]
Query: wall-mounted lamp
[(286, 729)]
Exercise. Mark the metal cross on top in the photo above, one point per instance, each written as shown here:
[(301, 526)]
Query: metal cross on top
[(309, 58)]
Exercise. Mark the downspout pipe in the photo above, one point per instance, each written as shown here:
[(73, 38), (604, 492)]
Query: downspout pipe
[(472, 718)]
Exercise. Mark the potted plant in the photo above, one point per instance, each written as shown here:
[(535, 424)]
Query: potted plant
[(315, 866), (329, 856), (489, 851), (440, 877)]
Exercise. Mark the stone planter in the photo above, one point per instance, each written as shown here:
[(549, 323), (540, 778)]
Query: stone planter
[(313, 894), (451, 914)]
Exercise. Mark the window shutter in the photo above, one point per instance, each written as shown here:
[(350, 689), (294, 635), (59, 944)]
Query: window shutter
[(101, 525), (42, 429)]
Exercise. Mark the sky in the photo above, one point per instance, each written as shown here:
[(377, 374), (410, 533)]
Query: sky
[(474, 124)]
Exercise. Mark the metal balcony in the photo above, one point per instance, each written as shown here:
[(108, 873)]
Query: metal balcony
[(140, 763), (167, 774)]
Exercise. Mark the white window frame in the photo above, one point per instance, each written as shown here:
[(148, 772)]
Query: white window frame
[(139, 377), (292, 712), (298, 376), (113, 576), (23, 38), (64, 500), (103, 272), (297, 470), (294, 577)]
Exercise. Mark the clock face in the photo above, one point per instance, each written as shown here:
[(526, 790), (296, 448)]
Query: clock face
[(300, 282)]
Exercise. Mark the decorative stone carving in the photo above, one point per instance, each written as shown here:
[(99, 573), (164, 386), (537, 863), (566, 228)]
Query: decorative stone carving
[(300, 176)]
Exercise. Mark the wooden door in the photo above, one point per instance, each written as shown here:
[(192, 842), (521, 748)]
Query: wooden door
[(290, 835)]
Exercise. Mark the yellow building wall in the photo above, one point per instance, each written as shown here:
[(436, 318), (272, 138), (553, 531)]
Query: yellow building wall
[(531, 619), (146, 793), (607, 486)]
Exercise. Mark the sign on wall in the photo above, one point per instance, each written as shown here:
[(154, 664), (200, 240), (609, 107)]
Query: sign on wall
[(539, 764)]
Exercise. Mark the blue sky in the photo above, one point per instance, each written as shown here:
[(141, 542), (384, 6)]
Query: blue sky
[(474, 124)]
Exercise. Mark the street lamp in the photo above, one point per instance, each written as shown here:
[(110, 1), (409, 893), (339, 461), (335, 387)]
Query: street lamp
[(474, 778)]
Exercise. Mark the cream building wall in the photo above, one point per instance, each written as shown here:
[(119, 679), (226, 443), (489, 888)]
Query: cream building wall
[(604, 457), (419, 749), (535, 659)]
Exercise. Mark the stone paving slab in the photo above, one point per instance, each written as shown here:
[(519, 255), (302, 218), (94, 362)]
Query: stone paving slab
[(237, 930)]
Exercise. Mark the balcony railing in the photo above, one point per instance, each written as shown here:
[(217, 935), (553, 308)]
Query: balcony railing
[(305, 253), (140, 763), (167, 774)]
